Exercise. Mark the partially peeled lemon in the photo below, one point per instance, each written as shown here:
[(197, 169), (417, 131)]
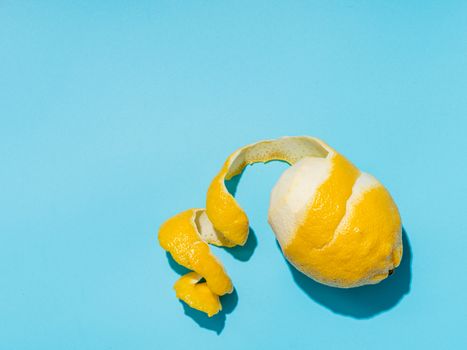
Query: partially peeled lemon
[(334, 223)]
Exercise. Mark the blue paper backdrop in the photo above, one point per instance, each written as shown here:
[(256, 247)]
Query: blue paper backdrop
[(115, 115)]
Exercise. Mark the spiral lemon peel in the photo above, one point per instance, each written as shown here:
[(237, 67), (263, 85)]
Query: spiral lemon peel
[(334, 223)]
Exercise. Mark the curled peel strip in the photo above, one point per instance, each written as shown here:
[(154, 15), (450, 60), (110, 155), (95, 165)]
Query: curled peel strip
[(333, 222)]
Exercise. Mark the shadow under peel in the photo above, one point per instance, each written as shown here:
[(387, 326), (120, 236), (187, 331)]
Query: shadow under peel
[(366, 301), (245, 252), (181, 270), (232, 183), (215, 323)]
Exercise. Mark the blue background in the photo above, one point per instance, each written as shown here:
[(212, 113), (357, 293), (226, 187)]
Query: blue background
[(115, 115)]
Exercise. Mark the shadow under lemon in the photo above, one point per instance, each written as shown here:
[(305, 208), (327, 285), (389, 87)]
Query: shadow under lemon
[(366, 301)]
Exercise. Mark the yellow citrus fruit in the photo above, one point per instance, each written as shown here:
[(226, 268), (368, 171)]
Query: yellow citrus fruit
[(334, 223)]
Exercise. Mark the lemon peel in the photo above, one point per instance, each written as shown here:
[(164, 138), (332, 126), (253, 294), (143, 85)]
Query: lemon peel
[(197, 295), (181, 238), (336, 224)]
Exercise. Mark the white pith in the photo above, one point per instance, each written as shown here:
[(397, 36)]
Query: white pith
[(206, 229), (295, 191), (292, 194), (289, 149)]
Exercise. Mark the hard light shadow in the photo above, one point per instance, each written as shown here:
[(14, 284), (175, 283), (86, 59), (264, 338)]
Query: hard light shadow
[(244, 253), (181, 270), (232, 184), (362, 302), (215, 323)]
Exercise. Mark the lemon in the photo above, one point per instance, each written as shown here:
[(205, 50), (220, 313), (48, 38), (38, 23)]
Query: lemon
[(336, 224)]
